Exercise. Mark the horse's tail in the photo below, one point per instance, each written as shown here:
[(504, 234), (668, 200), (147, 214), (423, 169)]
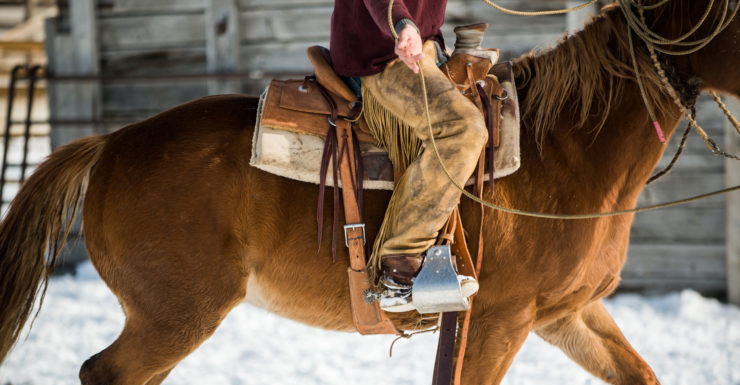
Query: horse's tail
[(35, 228)]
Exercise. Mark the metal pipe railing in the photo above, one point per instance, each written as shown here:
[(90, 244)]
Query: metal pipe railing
[(33, 73), (14, 75)]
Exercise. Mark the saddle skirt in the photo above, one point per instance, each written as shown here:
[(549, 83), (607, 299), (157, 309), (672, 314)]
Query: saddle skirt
[(292, 124)]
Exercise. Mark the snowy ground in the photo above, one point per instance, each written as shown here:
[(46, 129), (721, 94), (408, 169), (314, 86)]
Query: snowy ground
[(687, 339)]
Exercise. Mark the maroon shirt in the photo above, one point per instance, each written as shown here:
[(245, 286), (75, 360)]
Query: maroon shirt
[(361, 39)]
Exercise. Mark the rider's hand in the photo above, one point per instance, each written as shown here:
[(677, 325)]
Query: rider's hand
[(408, 47)]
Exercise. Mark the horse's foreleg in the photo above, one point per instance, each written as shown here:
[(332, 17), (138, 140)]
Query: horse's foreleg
[(592, 339), (493, 341)]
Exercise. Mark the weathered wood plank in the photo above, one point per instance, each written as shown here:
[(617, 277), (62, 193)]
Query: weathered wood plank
[(733, 211), (160, 31), (222, 44), (272, 4), (680, 225), (710, 287), (520, 5), (290, 25), (11, 15), (466, 12), (649, 261), (154, 61), (147, 98), (683, 184), (290, 56), (74, 52), (277, 57), (107, 8), (662, 268)]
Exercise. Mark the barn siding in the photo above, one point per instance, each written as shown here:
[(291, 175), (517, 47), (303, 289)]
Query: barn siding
[(670, 249), (732, 178)]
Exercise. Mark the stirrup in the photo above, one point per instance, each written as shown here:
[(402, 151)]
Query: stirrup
[(437, 288), (400, 302)]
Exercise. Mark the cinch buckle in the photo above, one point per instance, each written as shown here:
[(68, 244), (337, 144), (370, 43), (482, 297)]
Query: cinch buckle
[(354, 227)]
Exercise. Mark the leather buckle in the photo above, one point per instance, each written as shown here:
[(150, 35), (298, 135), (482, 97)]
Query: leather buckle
[(354, 226)]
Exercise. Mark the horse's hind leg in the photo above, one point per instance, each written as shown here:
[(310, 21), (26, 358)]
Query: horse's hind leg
[(592, 339), (169, 313)]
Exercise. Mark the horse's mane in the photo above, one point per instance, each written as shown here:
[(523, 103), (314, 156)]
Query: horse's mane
[(584, 75)]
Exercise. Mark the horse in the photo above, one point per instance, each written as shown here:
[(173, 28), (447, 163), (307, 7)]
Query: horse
[(182, 229)]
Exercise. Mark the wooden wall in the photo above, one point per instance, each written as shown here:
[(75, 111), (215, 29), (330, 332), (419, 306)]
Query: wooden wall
[(165, 37), (260, 39), (732, 234)]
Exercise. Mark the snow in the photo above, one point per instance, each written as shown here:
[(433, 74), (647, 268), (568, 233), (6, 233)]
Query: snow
[(687, 339)]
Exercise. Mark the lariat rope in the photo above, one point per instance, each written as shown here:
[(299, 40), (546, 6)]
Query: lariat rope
[(643, 31), (540, 13), (653, 41), (537, 214)]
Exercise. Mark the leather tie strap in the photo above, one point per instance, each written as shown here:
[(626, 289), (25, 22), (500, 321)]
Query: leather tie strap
[(331, 147), (492, 113), (329, 154)]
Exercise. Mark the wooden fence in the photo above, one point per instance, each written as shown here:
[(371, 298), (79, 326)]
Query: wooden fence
[(122, 46)]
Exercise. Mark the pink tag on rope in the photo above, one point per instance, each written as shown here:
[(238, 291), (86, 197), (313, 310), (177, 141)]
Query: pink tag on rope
[(659, 130)]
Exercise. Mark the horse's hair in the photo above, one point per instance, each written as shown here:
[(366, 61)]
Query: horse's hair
[(587, 74)]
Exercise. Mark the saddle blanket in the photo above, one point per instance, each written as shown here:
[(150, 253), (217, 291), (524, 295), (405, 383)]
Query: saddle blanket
[(297, 155)]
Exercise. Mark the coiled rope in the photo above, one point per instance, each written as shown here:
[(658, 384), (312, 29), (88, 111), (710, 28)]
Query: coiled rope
[(653, 42), (531, 213)]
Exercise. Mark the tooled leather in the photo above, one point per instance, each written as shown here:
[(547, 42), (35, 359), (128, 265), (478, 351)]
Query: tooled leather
[(288, 108)]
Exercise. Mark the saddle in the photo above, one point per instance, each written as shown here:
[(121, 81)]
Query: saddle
[(290, 136), (321, 109)]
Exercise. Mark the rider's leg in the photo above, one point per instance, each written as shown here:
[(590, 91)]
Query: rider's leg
[(424, 197)]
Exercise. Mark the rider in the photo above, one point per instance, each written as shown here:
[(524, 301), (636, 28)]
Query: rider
[(363, 49)]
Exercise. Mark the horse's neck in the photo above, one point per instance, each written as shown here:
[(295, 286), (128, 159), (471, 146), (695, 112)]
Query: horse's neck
[(604, 170)]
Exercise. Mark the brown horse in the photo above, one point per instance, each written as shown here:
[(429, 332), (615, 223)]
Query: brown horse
[(182, 229)]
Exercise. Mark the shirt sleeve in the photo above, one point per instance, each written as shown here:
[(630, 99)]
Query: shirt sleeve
[(379, 11)]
